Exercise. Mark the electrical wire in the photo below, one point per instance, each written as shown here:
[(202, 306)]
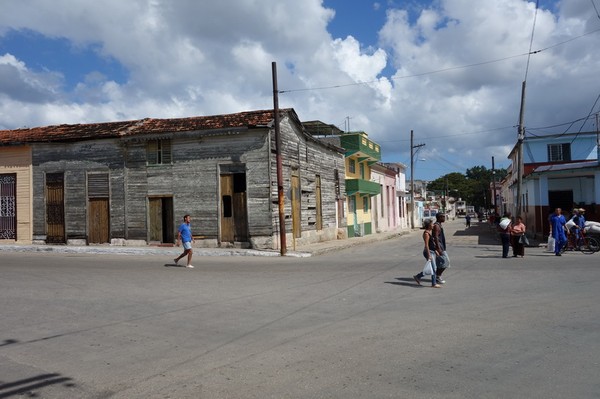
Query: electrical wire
[(597, 13), (537, 3), (360, 83)]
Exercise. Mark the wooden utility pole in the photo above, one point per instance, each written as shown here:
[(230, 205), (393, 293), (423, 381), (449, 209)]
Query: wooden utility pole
[(521, 137), (412, 180), (280, 195), (494, 186)]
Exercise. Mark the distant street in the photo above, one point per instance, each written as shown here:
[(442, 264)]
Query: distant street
[(346, 324)]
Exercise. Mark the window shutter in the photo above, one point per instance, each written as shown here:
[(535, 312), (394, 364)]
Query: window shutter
[(152, 152), (98, 186), (166, 152)]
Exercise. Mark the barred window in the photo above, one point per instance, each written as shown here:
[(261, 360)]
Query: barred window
[(559, 152), (159, 152)]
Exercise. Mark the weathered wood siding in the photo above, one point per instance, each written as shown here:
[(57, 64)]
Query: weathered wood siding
[(74, 160), (310, 158), (192, 180)]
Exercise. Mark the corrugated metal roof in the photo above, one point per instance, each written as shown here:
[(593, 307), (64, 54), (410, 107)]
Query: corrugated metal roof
[(566, 166), (249, 119)]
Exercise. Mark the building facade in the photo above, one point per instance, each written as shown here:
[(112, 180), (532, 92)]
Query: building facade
[(385, 204), (130, 183), (559, 171), (361, 153)]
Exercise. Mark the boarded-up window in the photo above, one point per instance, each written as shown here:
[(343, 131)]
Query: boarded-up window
[(159, 152), (98, 185)]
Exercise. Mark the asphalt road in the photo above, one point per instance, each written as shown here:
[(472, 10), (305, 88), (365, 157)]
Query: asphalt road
[(345, 324)]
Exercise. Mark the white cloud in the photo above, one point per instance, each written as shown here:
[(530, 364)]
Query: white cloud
[(194, 57)]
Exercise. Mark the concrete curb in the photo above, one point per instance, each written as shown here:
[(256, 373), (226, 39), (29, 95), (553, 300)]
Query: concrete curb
[(300, 252)]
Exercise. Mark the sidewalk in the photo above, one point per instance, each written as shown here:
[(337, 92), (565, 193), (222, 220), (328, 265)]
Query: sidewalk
[(481, 233), (299, 252)]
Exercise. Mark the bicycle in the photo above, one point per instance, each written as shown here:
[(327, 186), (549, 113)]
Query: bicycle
[(585, 244)]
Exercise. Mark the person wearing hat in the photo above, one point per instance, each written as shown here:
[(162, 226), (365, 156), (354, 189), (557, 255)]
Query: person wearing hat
[(574, 229), (581, 218)]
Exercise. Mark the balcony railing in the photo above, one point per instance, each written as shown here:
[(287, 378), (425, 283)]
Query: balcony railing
[(359, 145), (363, 187)]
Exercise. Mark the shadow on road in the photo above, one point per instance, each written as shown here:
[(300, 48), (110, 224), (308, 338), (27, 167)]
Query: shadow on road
[(30, 386), (408, 282)]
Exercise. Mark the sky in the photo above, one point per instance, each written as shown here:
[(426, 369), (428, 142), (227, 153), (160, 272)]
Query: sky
[(451, 71)]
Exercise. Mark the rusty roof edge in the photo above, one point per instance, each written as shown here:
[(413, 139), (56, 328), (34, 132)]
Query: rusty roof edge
[(185, 133)]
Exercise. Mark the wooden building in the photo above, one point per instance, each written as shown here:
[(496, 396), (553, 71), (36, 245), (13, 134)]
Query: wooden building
[(130, 183)]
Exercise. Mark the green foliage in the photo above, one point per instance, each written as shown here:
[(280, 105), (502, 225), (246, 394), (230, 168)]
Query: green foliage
[(473, 186)]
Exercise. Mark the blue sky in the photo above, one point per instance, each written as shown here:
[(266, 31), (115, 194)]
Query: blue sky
[(42, 53), (443, 68)]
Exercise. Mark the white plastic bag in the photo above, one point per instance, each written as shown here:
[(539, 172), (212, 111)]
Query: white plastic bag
[(504, 223), (550, 246), (428, 268)]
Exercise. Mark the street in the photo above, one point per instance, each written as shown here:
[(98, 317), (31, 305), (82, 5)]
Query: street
[(346, 324)]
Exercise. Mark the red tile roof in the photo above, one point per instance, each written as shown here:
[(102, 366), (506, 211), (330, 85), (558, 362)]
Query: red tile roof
[(249, 119)]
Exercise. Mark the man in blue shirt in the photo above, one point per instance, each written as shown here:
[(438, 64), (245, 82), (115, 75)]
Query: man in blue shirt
[(184, 236), (558, 221)]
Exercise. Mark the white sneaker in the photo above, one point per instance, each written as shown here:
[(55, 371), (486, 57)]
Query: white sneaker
[(190, 266)]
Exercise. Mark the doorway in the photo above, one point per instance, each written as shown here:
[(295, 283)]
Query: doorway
[(561, 199), (98, 208), (234, 214), (8, 206), (55, 208), (296, 205), (161, 220)]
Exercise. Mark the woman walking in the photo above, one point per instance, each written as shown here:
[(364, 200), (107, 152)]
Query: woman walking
[(516, 235), (429, 254)]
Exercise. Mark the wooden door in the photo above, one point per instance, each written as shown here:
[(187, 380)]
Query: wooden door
[(234, 213), (319, 204), (227, 219), (296, 204), (155, 218), (55, 208), (160, 220), (99, 228), (8, 206)]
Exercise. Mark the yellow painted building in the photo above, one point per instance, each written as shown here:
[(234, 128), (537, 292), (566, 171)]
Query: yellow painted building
[(16, 195), (360, 153)]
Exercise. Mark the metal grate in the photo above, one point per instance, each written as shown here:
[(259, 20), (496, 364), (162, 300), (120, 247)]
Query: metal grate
[(8, 206)]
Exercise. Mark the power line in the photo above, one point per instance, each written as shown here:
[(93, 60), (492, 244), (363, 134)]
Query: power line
[(597, 13), (452, 135), (531, 40), (360, 83)]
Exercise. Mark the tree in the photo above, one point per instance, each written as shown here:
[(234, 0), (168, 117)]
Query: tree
[(472, 187)]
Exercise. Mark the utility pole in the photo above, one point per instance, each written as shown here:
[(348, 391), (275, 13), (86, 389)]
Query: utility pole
[(445, 209), (597, 140), (412, 179), (521, 137), (280, 196), (494, 186)]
